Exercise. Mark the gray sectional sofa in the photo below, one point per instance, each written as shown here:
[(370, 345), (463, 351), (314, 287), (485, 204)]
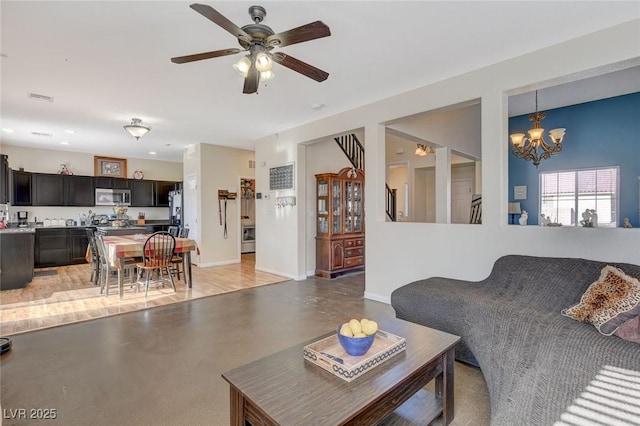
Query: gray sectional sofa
[(535, 361)]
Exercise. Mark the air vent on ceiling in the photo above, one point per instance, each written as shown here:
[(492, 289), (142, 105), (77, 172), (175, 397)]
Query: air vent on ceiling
[(42, 135), (252, 164), (36, 97)]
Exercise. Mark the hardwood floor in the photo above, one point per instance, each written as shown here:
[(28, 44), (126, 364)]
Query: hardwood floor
[(65, 295)]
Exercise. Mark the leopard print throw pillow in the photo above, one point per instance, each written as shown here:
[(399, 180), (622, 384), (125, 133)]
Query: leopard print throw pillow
[(608, 302)]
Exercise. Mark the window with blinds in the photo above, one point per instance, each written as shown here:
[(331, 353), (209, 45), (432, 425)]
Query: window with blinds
[(565, 195)]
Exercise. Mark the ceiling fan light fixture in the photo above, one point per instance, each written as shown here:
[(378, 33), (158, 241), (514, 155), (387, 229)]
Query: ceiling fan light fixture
[(266, 75), (263, 62), (242, 66), (136, 128)]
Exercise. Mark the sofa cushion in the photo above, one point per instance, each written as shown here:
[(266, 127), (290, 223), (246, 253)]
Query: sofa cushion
[(630, 330), (608, 302)]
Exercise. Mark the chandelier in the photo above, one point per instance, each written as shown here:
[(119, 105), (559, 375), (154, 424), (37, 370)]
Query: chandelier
[(136, 128), (534, 148), (423, 150)]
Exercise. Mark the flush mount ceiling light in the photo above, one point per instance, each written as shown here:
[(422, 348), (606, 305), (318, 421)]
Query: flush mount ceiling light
[(534, 148), (136, 128), (424, 150)]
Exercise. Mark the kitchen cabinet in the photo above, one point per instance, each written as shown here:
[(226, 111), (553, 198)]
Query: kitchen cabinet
[(78, 242), (48, 189), (142, 193), (16, 262), (21, 188), (60, 246), (51, 247), (79, 191), (62, 190), (5, 173), (162, 192), (340, 241), (111, 183)]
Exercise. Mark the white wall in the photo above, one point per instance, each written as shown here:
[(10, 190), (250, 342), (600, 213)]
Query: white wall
[(80, 163), (456, 128), (396, 252), (49, 160), (217, 167)]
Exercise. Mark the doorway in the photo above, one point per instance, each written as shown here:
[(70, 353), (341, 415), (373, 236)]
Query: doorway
[(247, 215), (460, 200)]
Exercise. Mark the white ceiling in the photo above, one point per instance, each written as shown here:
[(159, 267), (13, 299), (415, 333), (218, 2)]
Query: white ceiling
[(107, 62)]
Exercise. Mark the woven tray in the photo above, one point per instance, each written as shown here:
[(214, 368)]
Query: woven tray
[(331, 356)]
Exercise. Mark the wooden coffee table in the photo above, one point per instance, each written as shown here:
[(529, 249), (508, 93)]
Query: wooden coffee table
[(284, 389)]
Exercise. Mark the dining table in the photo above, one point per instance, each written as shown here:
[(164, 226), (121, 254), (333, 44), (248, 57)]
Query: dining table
[(119, 248)]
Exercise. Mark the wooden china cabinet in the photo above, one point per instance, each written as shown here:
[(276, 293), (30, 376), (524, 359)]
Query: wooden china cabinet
[(339, 222)]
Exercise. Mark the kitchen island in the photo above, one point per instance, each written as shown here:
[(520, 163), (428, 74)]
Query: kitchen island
[(16, 257)]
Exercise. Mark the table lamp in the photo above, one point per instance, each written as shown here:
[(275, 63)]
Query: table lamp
[(514, 209)]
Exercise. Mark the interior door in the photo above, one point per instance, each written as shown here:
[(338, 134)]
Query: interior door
[(460, 201)]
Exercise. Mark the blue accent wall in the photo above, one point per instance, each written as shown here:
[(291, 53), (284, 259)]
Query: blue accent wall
[(599, 133)]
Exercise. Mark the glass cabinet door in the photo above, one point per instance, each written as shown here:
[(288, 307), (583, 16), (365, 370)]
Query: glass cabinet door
[(323, 206), (348, 199), (337, 207), (357, 207)]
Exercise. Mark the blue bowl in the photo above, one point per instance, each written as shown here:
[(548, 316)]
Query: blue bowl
[(355, 346)]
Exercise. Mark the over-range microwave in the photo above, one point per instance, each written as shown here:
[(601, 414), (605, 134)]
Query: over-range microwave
[(112, 197)]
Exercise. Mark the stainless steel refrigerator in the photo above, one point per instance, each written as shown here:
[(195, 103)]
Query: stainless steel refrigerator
[(175, 207)]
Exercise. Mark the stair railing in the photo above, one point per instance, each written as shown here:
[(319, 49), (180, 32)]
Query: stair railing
[(391, 202), (353, 149)]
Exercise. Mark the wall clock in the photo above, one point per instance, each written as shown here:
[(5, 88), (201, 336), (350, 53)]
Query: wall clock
[(138, 175)]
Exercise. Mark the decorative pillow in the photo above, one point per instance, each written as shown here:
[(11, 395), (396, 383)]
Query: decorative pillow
[(608, 302), (630, 330)]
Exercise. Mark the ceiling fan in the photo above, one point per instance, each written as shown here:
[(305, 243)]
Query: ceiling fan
[(258, 40)]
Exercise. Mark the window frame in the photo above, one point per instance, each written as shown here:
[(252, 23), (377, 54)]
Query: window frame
[(615, 218)]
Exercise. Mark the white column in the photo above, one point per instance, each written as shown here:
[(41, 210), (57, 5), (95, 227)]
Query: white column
[(443, 185)]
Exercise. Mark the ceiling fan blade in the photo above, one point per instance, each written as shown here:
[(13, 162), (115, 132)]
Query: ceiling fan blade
[(217, 18), (251, 80), (205, 55), (307, 32), (301, 67)]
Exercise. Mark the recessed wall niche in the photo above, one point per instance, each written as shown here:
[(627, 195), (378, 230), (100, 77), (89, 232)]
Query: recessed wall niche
[(429, 152)]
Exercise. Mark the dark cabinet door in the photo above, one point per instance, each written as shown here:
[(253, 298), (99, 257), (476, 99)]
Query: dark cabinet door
[(51, 247), (162, 192), (80, 191), (5, 190), (48, 189), (21, 188), (103, 182), (78, 242), (142, 193), (120, 183), (111, 183)]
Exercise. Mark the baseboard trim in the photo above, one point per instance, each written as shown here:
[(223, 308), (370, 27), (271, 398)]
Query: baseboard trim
[(282, 274), (377, 297), (224, 262)]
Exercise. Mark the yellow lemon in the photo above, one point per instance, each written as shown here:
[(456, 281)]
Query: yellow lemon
[(363, 321), (355, 326), (359, 335), (370, 328), (345, 330)]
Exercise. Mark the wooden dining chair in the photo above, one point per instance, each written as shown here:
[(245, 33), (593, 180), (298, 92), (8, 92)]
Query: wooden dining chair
[(95, 259), (157, 254), (106, 269), (177, 258)]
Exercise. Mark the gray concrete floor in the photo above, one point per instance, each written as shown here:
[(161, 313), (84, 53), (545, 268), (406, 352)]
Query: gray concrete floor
[(162, 366)]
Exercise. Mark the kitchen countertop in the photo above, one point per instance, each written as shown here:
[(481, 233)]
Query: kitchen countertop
[(17, 230)]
